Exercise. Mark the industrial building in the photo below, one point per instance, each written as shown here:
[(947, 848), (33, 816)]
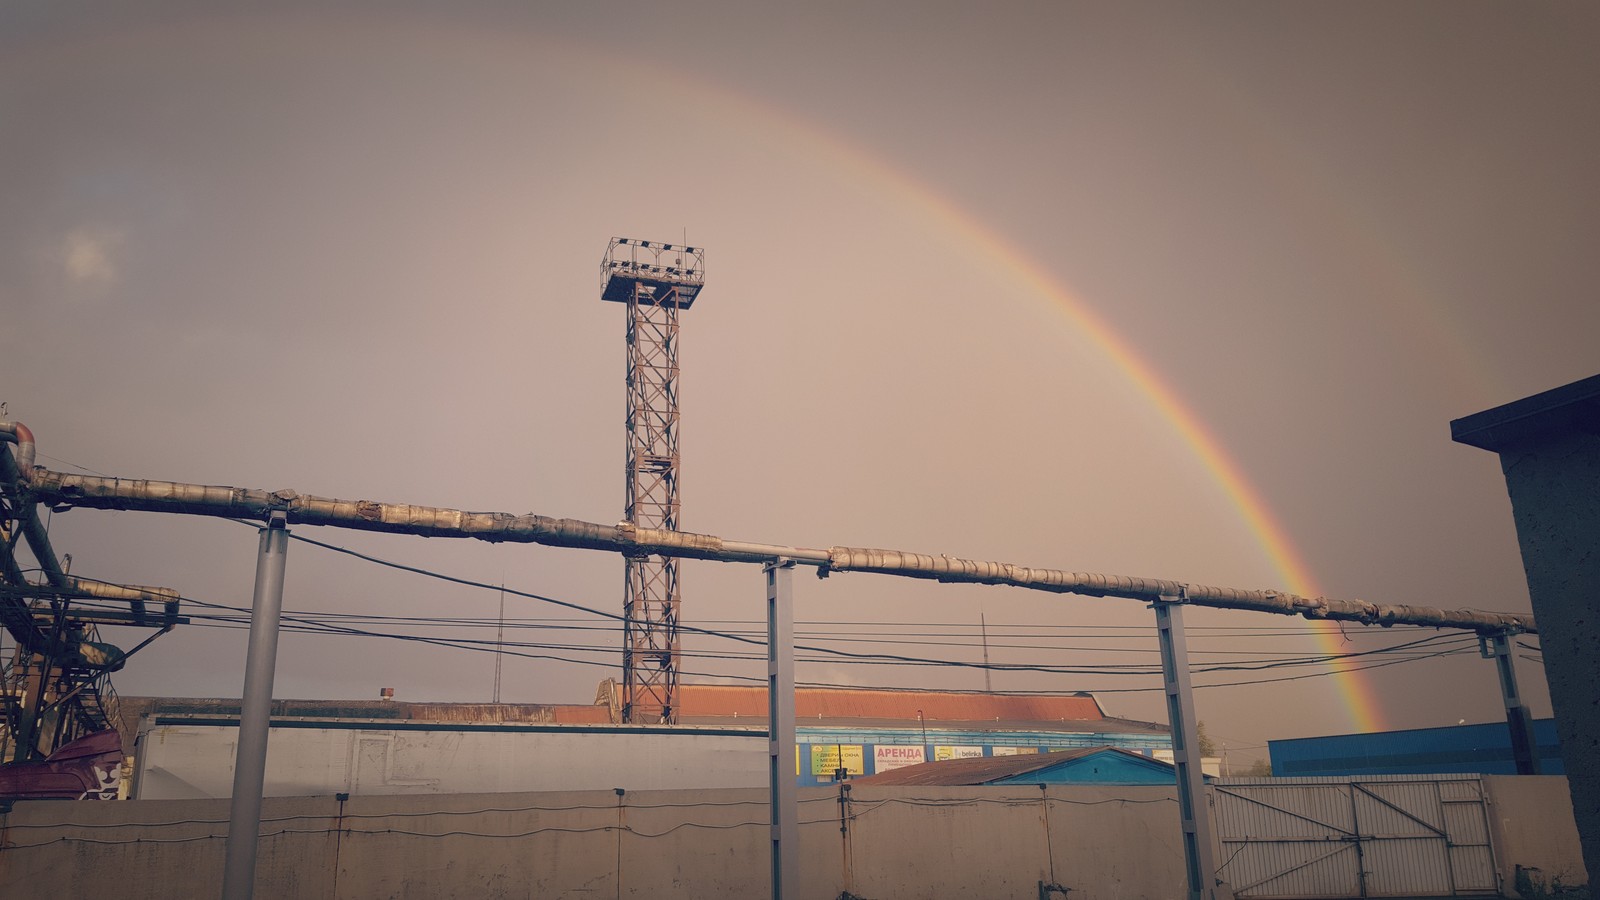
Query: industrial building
[(851, 732), (183, 747), (1483, 749)]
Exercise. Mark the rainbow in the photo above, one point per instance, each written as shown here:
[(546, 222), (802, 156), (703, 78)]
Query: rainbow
[(1357, 695), (1359, 698)]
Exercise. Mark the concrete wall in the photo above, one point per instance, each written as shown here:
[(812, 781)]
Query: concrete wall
[(1549, 446), (676, 844), (1103, 842), (1533, 830), (158, 849), (1555, 495)]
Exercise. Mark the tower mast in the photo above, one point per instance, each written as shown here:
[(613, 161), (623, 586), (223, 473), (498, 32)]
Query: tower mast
[(656, 281)]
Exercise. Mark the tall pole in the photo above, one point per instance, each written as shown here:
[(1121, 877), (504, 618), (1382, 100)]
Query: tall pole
[(1524, 749), (250, 764), (983, 626), (500, 643), (1198, 864), (783, 788)]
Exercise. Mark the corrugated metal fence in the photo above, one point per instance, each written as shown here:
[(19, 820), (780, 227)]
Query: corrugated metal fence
[(1371, 836)]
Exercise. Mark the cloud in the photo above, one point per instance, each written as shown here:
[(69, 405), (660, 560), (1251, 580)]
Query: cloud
[(88, 257)]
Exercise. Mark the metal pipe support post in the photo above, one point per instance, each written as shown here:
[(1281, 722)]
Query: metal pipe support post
[(781, 748), (250, 765)]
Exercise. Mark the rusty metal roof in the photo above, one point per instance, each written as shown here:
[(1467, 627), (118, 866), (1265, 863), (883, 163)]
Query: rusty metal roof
[(401, 710), (697, 701), (984, 769)]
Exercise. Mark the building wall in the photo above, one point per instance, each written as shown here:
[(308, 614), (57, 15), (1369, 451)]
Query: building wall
[(194, 761), (1482, 749), (1555, 497), (1549, 447), (1534, 833), (822, 748), (188, 757)]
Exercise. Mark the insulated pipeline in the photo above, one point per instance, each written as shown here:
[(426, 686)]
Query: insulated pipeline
[(63, 491)]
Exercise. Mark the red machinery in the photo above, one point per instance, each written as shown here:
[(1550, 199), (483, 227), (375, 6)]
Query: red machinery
[(89, 768)]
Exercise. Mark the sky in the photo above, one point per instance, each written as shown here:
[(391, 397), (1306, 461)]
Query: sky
[(1171, 290)]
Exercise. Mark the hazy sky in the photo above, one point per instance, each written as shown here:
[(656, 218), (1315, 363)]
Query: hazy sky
[(353, 250)]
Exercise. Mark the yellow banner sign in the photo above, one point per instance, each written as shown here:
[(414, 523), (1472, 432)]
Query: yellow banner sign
[(828, 758)]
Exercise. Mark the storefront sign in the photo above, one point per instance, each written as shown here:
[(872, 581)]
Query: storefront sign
[(828, 758), (894, 756)]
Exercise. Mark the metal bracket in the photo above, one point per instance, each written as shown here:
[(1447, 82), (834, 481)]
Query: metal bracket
[(1181, 597)]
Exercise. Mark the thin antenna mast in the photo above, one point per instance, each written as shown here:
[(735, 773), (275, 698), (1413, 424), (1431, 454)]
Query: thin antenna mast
[(983, 626), (500, 643)]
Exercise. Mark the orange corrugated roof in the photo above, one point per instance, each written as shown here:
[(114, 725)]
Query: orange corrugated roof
[(583, 715), (399, 710), (715, 700)]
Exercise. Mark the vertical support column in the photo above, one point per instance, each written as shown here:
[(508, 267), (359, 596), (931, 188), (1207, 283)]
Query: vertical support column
[(34, 687), (783, 786), (43, 679), (1198, 863), (1524, 749), (261, 660)]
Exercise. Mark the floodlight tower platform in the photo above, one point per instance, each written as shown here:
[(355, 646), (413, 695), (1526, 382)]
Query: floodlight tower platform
[(656, 281)]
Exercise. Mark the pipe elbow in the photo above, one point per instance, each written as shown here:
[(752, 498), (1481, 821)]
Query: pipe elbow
[(22, 436)]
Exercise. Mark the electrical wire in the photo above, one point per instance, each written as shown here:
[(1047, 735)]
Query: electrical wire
[(311, 625), (320, 623), (888, 657)]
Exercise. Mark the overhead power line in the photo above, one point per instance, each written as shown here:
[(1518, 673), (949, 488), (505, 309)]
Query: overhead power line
[(312, 623), (859, 658)]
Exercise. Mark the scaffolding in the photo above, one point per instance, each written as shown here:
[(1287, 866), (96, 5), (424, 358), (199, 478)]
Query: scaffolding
[(656, 281), (55, 683)]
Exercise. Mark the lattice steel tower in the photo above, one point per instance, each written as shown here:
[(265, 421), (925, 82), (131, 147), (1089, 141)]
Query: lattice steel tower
[(657, 281)]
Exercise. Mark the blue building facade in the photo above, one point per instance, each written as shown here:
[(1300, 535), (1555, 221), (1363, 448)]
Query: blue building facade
[(1482, 749), (823, 751)]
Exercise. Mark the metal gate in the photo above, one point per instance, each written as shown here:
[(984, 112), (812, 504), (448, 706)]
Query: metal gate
[(1370, 836)]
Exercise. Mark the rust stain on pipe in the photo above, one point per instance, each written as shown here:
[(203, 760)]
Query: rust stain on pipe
[(23, 437)]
